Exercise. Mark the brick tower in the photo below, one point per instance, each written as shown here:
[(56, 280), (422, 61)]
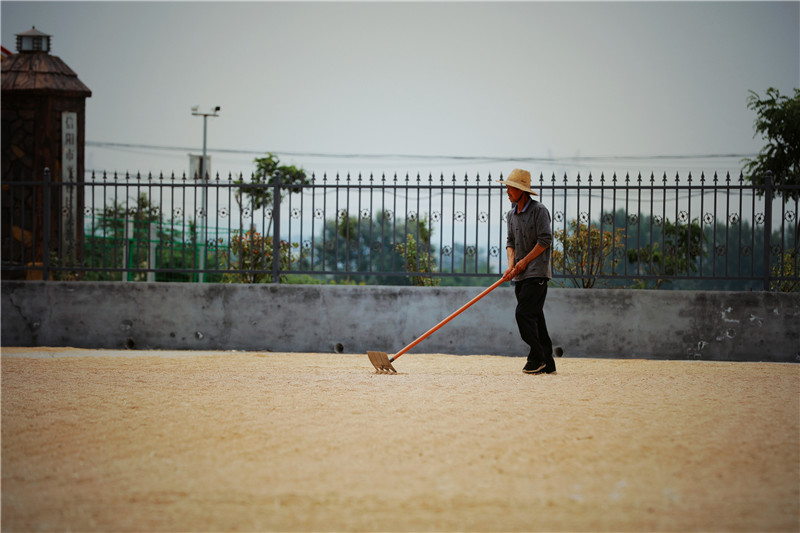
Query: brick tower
[(43, 118)]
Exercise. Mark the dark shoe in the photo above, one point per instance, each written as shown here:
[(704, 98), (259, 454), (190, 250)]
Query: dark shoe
[(558, 351), (534, 368)]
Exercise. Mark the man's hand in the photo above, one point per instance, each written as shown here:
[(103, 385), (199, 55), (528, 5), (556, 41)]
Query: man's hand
[(509, 273), (514, 271)]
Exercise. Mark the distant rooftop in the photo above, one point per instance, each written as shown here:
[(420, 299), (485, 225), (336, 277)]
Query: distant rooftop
[(34, 70)]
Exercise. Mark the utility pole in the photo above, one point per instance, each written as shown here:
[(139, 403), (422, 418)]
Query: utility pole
[(204, 232)]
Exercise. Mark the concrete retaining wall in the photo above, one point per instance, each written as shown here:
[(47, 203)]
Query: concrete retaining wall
[(736, 326)]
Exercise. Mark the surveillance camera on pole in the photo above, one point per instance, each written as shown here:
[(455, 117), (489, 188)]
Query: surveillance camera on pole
[(213, 113)]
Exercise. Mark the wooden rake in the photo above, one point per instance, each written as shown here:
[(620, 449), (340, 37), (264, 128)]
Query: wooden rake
[(383, 363)]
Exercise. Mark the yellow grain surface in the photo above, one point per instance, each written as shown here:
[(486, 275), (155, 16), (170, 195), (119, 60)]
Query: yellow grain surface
[(188, 441)]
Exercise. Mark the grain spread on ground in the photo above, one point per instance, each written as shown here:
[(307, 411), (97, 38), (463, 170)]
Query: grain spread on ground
[(196, 441)]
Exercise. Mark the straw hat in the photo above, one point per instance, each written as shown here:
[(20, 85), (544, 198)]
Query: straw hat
[(520, 179)]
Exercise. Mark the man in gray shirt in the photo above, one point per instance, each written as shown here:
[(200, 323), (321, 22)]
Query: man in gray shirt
[(528, 246)]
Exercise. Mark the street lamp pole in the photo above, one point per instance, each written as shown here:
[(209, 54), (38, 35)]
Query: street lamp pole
[(204, 231)]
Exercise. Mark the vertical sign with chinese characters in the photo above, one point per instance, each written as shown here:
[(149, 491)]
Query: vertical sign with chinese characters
[(69, 174)]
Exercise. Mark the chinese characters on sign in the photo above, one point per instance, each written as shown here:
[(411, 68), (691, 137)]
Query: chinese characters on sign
[(69, 174), (69, 146)]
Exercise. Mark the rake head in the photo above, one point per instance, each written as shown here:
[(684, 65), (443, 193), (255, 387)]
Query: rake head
[(380, 360)]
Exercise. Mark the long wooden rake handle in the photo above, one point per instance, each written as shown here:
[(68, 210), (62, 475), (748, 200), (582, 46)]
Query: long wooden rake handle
[(436, 328)]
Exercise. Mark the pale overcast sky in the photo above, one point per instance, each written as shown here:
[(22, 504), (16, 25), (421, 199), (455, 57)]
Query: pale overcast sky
[(547, 81)]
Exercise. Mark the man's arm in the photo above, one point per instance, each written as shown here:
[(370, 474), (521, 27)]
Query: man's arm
[(507, 275), (514, 269)]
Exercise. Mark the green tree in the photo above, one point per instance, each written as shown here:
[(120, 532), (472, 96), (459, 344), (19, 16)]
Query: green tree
[(107, 236), (677, 254), (268, 170), (250, 253), (587, 252), (786, 267), (110, 234), (250, 258), (350, 244), (778, 122), (418, 261)]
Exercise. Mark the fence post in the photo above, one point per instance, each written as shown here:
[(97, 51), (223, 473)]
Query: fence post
[(151, 257), (276, 228), (128, 237), (767, 226), (46, 200)]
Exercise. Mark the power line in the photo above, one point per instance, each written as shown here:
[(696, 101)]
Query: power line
[(485, 159)]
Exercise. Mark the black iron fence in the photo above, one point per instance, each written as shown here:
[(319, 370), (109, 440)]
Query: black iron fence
[(711, 232)]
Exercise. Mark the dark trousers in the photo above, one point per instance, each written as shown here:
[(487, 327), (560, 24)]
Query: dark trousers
[(531, 294)]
